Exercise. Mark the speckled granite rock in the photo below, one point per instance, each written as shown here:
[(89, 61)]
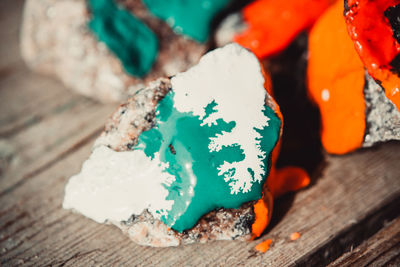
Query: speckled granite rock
[(120, 134), (154, 171), (382, 116), (55, 40)]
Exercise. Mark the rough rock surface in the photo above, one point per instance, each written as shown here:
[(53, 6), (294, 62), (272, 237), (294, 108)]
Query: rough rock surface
[(121, 133), (56, 41), (382, 116)]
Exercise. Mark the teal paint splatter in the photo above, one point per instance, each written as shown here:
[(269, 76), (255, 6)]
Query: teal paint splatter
[(189, 17), (182, 142), (126, 36)]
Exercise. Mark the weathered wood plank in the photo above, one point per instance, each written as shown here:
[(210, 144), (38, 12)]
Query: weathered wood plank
[(35, 229), (50, 131), (381, 249), (48, 139), (40, 120), (10, 17), (25, 98)]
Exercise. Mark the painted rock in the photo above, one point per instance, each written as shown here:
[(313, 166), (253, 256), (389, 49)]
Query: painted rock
[(357, 106), (267, 27), (102, 49), (187, 158)]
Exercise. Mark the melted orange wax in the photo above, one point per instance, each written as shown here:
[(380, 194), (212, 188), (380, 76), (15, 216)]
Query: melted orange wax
[(373, 39), (273, 24), (279, 181), (335, 78)]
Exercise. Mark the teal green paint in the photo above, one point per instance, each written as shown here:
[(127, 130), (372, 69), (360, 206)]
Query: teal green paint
[(190, 141), (190, 17), (126, 36)]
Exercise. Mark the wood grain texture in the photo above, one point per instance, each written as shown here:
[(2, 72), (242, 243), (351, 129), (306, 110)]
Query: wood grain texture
[(46, 132), (36, 230), (40, 120), (383, 249)]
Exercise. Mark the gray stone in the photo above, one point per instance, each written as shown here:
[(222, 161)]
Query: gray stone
[(121, 134), (382, 116), (56, 41)]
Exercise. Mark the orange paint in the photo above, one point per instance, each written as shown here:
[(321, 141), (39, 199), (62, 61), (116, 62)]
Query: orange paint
[(373, 40), (263, 207), (279, 181), (273, 25), (335, 77), (294, 236), (263, 211), (287, 179), (264, 246)]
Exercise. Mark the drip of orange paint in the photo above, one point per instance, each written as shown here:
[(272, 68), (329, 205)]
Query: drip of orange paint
[(263, 207), (373, 40), (264, 246), (287, 179), (281, 181), (335, 77), (262, 210), (272, 24)]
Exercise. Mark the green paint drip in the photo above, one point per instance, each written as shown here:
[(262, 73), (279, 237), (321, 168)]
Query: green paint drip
[(126, 36), (189, 17), (182, 142)]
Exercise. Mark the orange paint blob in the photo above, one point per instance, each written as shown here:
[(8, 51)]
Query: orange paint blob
[(373, 39), (272, 24), (263, 211), (294, 236), (335, 77), (287, 179), (264, 246), (263, 207), (279, 181)]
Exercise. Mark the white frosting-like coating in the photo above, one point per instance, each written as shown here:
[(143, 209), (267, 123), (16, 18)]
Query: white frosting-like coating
[(231, 77), (114, 185)]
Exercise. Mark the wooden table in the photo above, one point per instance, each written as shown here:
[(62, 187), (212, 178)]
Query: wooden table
[(349, 215)]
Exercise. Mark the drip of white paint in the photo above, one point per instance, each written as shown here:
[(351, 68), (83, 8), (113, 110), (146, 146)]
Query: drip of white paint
[(231, 76)]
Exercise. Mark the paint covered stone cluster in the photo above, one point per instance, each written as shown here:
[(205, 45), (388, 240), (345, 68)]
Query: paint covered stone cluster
[(210, 147), (348, 45), (218, 158), (135, 45), (188, 17), (125, 35), (182, 142)]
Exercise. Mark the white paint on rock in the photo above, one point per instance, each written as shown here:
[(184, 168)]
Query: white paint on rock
[(231, 76), (114, 185)]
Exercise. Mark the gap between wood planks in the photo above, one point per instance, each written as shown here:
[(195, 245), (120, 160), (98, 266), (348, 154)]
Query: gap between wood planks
[(382, 249)]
